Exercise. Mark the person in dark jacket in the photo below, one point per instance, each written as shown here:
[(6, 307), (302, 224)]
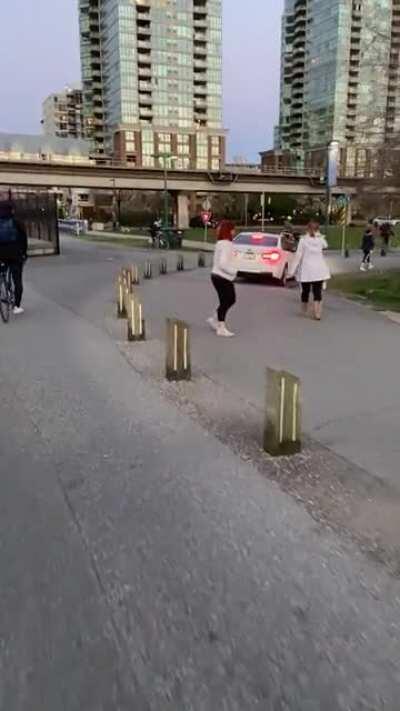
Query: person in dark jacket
[(386, 232), (13, 249), (367, 246)]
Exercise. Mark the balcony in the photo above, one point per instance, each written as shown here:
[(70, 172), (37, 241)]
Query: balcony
[(200, 24), (145, 100)]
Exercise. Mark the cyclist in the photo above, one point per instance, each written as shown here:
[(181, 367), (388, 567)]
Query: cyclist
[(13, 249)]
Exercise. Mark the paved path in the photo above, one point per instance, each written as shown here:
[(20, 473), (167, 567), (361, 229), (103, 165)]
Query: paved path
[(349, 363), (143, 565)]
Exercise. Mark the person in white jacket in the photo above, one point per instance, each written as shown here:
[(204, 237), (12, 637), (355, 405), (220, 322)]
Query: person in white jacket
[(223, 275), (310, 268)]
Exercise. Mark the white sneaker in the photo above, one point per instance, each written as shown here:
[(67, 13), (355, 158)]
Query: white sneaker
[(223, 331), (212, 321), (363, 268), (371, 266), (18, 310)]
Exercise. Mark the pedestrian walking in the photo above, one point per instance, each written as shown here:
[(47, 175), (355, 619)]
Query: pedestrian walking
[(13, 249), (386, 232), (310, 268), (222, 277), (367, 246)]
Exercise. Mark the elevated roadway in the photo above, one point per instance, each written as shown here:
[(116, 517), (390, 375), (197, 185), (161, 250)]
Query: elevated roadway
[(105, 177)]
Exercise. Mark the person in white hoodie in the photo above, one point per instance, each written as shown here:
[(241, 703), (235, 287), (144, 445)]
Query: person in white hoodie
[(310, 268), (223, 275)]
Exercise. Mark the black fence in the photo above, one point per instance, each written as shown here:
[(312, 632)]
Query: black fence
[(38, 212)]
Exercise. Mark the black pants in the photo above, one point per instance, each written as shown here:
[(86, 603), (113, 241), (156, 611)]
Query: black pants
[(16, 273), (226, 294), (316, 287), (367, 256)]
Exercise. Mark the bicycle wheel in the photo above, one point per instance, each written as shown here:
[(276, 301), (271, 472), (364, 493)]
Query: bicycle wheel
[(5, 305)]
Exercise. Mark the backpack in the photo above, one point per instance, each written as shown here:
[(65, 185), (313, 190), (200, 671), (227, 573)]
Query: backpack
[(9, 238)]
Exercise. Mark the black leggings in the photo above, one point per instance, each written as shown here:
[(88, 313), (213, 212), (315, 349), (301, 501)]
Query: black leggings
[(16, 273), (316, 287), (226, 294), (367, 256)]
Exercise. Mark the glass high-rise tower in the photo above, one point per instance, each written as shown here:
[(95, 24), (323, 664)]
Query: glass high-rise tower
[(152, 84), (340, 76)]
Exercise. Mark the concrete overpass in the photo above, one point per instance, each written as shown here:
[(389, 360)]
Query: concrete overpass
[(180, 182)]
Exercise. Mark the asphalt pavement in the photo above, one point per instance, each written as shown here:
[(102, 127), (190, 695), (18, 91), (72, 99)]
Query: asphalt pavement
[(143, 564), (348, 363)]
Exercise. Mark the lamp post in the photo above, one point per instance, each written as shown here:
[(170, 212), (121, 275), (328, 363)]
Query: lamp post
[(332, 165), (165, 157)]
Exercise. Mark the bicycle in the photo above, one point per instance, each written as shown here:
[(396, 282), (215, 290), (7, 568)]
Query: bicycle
[(6, 292)]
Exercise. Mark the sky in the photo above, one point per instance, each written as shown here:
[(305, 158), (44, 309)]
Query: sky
[(39, 54)]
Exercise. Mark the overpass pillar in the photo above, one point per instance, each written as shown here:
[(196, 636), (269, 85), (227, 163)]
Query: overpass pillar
[(182, 211)]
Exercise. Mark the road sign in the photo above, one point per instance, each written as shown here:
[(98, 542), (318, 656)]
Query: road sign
[(206, 217)]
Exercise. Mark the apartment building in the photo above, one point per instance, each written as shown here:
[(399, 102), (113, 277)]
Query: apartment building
[(340, 77), (152, 81), (62, 114)]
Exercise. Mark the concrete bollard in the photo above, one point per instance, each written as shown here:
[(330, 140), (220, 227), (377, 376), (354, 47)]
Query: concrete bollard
[(178, 361), (136, 323), (282, 429), (127, 297), (121, 307), (201, 260), (163, 266), (148, 269), (135, 274), (180, 263), (127, 273)]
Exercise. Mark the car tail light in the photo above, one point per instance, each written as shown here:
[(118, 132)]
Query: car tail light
[(273, 256)]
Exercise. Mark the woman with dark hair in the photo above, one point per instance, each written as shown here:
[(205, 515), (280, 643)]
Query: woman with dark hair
[(223, 276)]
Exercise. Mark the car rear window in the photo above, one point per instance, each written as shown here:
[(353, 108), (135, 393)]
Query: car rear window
[(254, 239)]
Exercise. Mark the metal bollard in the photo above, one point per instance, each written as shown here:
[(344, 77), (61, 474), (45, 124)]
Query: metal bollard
[(201, 260), (282, 429), (178, 361), (148, 269), (163, 266), (180, 264), (136, 323)]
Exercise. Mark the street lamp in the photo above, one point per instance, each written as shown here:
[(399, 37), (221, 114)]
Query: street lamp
[(165, 157)]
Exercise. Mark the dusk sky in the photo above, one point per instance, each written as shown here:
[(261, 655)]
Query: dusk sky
[(39, 54)]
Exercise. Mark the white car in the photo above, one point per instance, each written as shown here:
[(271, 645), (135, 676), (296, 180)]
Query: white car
[(393, 222), (263, 253)]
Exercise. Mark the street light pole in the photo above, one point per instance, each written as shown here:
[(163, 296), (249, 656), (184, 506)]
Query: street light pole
[(166, 197), (165, 157)]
